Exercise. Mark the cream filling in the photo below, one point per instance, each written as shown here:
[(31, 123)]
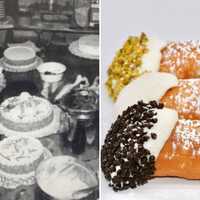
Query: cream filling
[(62, 187), (148, 87), (60, 177), (167, 119), (151, 60)]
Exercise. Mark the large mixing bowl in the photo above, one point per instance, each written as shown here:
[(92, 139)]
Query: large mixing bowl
[(61, 177)]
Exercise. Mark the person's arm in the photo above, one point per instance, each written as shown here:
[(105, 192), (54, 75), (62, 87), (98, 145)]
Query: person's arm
[(68, 87)]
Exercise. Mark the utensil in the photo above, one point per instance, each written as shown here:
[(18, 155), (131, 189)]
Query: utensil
[(84, 192)]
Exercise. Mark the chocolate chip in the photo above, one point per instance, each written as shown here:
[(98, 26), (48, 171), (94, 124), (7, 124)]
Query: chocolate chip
[(160, 106), (154, 120), (153, 104), (149, 126), (145, 138), (151, 158), (153, 136), (141, 103), (144, 159), (124, 153)]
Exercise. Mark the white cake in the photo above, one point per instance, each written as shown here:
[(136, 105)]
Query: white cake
[(26, 113), (20, 155), (20, 59), (89, 44), (19, 55)]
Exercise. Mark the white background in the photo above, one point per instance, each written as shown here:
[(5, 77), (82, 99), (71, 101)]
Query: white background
[(168, 20)]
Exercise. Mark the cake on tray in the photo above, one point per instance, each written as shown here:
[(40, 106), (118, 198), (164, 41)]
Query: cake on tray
[(20, 155), (20, 59), (89, 44), (25, 113), (19, 55), (19, 158)]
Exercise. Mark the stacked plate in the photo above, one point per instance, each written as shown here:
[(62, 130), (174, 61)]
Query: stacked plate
[(2, 10), (20, 59)]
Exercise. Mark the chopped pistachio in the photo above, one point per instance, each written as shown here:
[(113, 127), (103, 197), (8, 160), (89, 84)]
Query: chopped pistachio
[(126, 64)]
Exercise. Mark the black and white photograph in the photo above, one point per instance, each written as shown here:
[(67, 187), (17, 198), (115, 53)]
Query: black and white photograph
[(49, 99)]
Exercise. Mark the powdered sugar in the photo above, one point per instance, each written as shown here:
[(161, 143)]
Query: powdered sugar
[(188, 135), (181, 58), (185, 98)]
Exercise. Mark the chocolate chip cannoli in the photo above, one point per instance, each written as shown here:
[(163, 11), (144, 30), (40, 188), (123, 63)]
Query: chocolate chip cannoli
[(133, 143)]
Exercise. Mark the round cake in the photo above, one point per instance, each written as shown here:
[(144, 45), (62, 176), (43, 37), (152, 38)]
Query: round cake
[(20, 155), (19, 55), (89, 44), (25, 113)]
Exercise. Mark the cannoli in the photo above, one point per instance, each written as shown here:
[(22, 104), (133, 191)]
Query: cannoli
[(180, 155), (184, 98), (137, 56), (145, 54), (148, 87), (181, 59), (133, 144)]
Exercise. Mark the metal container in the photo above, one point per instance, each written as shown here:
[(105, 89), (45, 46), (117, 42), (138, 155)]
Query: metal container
[(63, 166), (80, 112)]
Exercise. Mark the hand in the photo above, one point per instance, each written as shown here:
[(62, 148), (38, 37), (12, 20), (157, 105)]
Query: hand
[(78, 80), (95, 85), (81, 81)]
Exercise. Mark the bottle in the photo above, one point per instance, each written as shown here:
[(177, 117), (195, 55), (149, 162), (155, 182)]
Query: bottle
[(79, 140)]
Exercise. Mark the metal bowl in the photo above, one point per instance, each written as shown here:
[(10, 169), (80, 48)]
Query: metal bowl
[(81, 113), (67, 167)]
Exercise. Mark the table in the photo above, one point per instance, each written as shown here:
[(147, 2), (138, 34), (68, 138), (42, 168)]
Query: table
[(30, 192), (56, 143)]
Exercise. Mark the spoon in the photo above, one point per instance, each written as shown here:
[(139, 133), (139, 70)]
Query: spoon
[(83, 192)]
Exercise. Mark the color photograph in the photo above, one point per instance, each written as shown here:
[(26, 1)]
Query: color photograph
[(150, 100)]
